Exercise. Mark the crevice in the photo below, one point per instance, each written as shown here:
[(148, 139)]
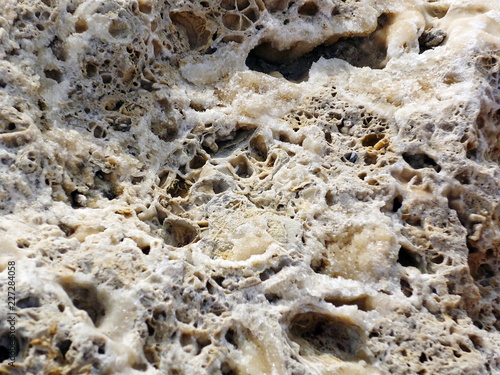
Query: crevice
[(359, 51)]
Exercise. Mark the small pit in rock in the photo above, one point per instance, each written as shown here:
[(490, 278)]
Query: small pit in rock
[(319, 334)]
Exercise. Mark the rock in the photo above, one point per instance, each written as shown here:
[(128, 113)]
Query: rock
[(250, 187)]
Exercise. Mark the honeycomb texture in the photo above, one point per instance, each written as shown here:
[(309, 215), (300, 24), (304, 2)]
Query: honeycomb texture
[(251, 186)]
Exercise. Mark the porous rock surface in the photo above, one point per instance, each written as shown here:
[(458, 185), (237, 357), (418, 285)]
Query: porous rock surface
[(251, 186)]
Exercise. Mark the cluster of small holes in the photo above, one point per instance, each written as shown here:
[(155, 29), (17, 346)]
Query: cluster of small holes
[(199, 298), (404, 355)]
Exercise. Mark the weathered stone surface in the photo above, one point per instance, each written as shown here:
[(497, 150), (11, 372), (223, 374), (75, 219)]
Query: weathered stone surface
[(251, 186)]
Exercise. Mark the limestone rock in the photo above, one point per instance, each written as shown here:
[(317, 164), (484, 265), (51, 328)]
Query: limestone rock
[(251, 186)]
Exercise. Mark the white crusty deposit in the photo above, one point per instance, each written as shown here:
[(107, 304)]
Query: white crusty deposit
[(250, 186)]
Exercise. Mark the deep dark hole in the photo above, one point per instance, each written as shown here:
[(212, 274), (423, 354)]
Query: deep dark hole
[(437, 259), (478, 324), (219, 280), (4, 353), (210, 50), (147, 85), (271, 298), (397, 203), (472, 249), (118, 105), (67, 230), (423, 358), (54, 74), (74, 203), (359, 51), (179, 189), (485, 271), (371, 140), (430, 39), (5, 345), (266, 274), (230, 337), (151, 330), (198, 161), (101, 349), (308, 9), (328, 137), (406, 288), (463, 178), (106, 78), (91, 70), (351, 156), (408, 258), (86, 299), (418, 161), (329, 336), (64, 347), (27, 302), (210, 288)]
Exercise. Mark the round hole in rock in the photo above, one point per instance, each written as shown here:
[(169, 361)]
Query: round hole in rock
[(438, 259), (178, 188), (242, 167), (230, 337), (275, 5), (145, 6), (145, 249), (371, 140), (54, 74), (228, 4), (251, 14), (320, 334), (99, 132), (197, 161), (231, 21), (81, 26), (242, 4), (107, 78), (397, 203), (193, 26), (408, 258), (64, 347), (90, 70), (28, 302), (370, 158), (329, 198), (406, 288), (6, 344), (309, 8)]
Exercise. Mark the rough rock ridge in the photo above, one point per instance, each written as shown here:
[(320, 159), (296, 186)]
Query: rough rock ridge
[(250, 186)]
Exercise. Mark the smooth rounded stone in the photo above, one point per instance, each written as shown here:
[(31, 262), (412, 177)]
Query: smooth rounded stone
[(250, 186)]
